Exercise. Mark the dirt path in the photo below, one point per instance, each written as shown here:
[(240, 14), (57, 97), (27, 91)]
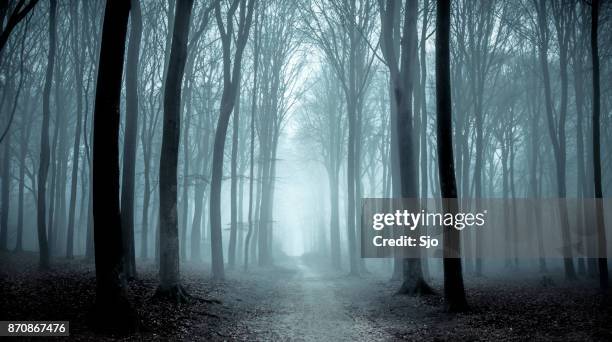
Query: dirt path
[(307, 307)]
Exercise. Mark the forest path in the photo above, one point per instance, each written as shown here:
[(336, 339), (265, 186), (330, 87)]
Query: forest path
[(309, 306)]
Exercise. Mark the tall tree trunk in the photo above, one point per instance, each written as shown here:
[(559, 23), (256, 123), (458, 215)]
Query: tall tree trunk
[(130, 142), (199, 193), (252, 147), (23, 149), (601, 232), (169, 284), (6, 184), (533, 169), (581, 187), (78, 68), (43, 166), (413, 282), (334, 218), (186, 158), (215, 185), (350, 165), (557, 134), (196, 227), (454, 292), (231, 79), (185, 193), (231, 256), (112, 310)]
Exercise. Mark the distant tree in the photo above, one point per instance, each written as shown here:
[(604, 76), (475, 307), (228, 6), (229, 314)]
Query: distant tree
[(78, 75), (231, 79), (322, 122), (402, 77), (342, 30), (25, 134), (43, 166), (454, 292), (113, 311), (601, 231), (169, 277), (251, 210), (556, 123)]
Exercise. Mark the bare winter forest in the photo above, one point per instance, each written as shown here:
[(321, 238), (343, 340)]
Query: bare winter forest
[(196, 169)]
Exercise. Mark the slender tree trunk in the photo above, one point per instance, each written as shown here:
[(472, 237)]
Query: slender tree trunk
[(454, 292), (196, 227), (252, 147), (186, 158), (185, 200), (231, 79), (334, 219), (231, 257), (580, 162), (77, 134), (557, 135), (43, 166), (199, 193), (601, 231), (533, 171), (6, 185), (146, 196), (23, 148), (413, 282), (169, 285), (130, 142)]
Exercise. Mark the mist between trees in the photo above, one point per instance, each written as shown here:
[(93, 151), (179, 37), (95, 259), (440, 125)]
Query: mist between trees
[(239, 133)]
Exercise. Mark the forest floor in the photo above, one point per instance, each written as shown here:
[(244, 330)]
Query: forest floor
[(298, 301)]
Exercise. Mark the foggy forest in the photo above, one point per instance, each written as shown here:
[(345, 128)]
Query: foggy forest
[(202, 169)]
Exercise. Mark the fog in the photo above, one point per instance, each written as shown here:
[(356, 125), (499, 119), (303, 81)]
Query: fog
[(149, 139)]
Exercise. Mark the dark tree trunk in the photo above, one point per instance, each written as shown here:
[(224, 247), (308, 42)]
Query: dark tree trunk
[(454, 292), (231, 79), (43, 166), (581, 188), (215, 185), (533, 168), (129, 140), (23, 148), (601, 232), (413, 282), (6, 184), (169, 285), (78, 68), (557, 134), (112, 310)]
